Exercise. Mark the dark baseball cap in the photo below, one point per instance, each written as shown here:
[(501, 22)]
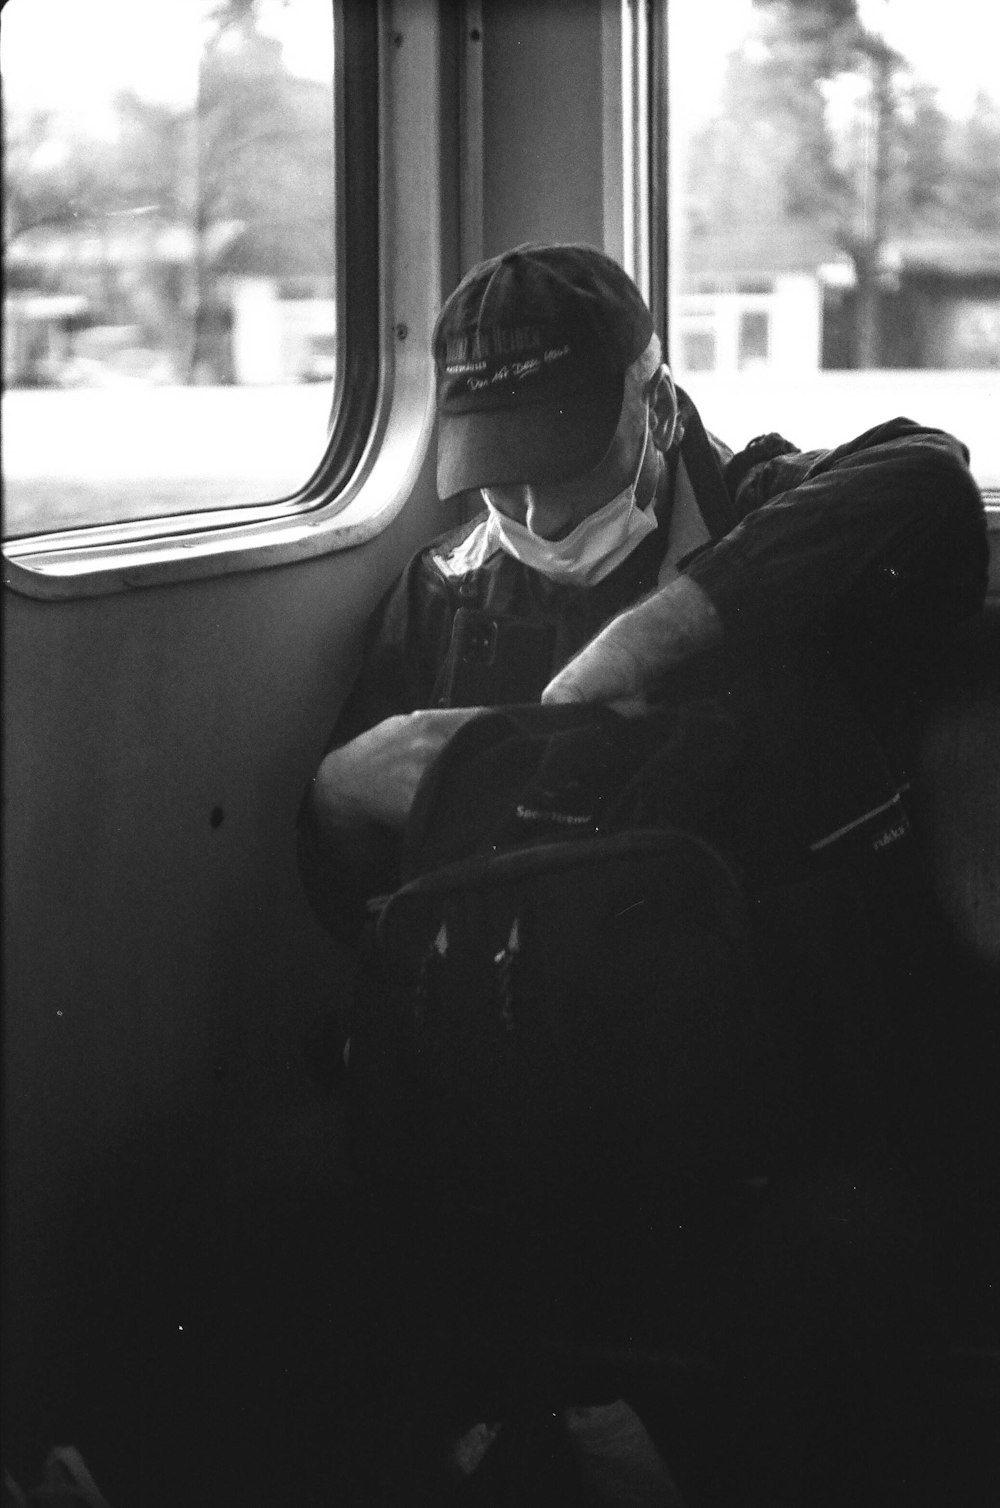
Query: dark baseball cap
[(531, 351)]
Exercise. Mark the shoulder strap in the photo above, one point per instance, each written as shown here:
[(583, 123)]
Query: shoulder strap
[(706, 475)]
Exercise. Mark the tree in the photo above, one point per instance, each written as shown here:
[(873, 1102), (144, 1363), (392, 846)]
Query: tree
[(925, 163), (48, 182), (768, 157), (262, 190), (67, 193), (243, 177), (977, 189), (776, 158)]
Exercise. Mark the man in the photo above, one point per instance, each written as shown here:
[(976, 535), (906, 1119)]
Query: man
[(620, 542), (636, 539)]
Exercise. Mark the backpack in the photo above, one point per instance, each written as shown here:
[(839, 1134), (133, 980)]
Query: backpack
[(633, 970), (556, 1012)]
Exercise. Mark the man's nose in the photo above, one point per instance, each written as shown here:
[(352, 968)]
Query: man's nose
[(545, 516)]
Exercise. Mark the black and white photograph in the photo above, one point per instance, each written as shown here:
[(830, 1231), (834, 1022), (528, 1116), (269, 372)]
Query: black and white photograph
[(500, 754)]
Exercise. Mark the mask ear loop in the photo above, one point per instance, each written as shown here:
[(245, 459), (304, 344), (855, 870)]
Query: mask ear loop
[(676, 432), (634, 489)]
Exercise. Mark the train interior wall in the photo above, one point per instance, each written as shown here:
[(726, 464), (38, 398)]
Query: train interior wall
[(163, 974)]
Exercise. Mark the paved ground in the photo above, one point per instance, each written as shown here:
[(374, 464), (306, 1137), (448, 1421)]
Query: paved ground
[(109, 454), (130, 452)]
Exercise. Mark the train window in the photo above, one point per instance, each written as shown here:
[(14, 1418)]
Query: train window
[(199, 342), (170, 247), (835, 217)]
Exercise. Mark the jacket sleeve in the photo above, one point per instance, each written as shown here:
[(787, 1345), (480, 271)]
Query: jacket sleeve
[(886, 534), (342, 870)]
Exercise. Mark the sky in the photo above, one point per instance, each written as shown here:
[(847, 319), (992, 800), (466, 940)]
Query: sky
[(960, 58), (152, 46)]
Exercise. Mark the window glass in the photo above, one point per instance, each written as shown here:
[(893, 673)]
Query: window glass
[(755, 327), (835, 220), (170, 330), (697, 346)]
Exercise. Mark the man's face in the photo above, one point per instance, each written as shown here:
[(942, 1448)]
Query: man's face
[(551, 510)]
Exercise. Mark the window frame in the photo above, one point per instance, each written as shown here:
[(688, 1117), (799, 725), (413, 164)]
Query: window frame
[(386, 102)]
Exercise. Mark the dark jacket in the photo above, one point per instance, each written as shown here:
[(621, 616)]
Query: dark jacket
[(869, 552)]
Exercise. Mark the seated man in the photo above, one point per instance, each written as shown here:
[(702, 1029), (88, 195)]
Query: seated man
[(614, 521), (624, 541)]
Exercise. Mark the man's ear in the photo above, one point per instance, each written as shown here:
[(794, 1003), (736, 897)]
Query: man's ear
[(663, 409)]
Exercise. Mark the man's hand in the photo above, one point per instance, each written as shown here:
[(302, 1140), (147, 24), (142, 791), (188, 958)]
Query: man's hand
[(374, 777), (628, 656)]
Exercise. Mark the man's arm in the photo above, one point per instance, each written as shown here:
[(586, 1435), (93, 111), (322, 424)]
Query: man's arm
[(348, 832), (351, 818), (374, 777), (672, 625), (886, 533)]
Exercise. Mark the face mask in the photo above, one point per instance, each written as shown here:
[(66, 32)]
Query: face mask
[(592, 550)]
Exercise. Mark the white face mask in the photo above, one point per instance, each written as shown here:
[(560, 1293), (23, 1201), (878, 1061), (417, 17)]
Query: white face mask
[(592, 550)]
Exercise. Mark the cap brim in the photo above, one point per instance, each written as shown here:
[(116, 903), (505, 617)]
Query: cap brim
[(540, 442)]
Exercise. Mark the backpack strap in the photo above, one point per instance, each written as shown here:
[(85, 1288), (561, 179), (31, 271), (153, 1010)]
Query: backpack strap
[(703, 468)]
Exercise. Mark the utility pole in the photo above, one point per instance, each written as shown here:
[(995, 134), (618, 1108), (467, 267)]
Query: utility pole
[(875, 168), (874, 179)]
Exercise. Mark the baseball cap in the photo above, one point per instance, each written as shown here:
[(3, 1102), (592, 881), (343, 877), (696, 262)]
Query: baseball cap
[(531, 351)]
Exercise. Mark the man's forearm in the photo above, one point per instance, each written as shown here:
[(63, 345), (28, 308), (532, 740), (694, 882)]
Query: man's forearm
[(374, 777), (337, 795), (636, 648)]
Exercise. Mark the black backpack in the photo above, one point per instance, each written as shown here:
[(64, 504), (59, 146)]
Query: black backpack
[(634, 969), (557, 1010)]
